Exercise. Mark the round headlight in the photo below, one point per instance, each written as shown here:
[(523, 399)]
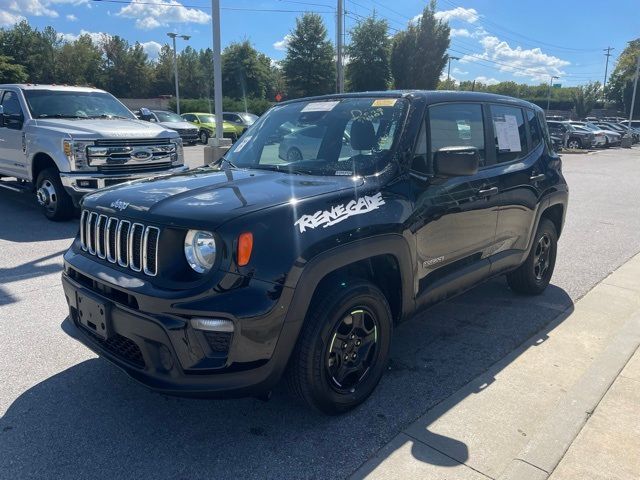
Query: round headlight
[(200, 250)]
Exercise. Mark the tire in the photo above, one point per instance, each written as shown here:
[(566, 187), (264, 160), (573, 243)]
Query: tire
[(294, 155), (317, 361), (55, 202), (204, 137), (574, 143), (532, 278)]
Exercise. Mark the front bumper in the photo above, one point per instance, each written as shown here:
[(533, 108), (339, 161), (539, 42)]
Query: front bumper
[(74, 183), (151, 337)]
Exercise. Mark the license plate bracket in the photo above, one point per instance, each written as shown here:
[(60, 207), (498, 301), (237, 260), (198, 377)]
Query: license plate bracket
[(93, 314)]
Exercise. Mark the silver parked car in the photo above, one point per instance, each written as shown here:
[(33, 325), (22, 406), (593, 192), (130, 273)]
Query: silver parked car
[(604, 137), (187, 131)]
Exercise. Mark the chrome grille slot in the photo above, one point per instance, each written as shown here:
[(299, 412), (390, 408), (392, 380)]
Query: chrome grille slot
[(130, 245), (135, 246), (122, 247), (91, 232), (100, 236)]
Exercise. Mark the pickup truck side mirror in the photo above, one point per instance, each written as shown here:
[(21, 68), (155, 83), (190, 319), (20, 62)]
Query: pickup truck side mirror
[(457, 161)]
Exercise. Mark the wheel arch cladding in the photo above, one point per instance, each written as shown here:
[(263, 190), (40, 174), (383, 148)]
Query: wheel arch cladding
[(555, 213)]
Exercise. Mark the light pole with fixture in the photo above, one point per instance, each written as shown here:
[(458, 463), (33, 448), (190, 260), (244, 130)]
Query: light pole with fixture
[(175, 64), (449, 69), (549, 94)]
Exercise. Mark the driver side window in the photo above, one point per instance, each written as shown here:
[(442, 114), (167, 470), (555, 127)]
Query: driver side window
[(12, 110)]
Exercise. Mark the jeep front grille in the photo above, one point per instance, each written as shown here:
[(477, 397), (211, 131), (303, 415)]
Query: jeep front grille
[(130, 245)]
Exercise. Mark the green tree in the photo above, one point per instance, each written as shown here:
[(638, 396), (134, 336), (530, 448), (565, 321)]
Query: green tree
[(585, 97), (193, 83), (620, 86), (162, 82), (80, 62), (245, 71), (11, 72), (309, 66), (449, 84), (418, 54), (33, 49), (369, 56)]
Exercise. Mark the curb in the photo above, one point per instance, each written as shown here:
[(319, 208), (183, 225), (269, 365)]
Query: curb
[(556, 434)]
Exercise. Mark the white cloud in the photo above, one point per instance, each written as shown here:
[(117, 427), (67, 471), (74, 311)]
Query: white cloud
[(469, 15), (96, 37), (459, 71), (72, 18), (282, 44), (8, 19), (37, 8), (460, 32), (151, 48), (486, 80), (162, 13), (532, 63)]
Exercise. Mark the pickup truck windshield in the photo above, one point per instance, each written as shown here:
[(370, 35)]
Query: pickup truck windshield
[(168, 116), (70, 104), (324, 137)]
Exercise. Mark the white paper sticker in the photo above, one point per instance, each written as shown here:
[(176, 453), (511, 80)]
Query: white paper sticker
[(320, 106), (243, 142), (507, 133)]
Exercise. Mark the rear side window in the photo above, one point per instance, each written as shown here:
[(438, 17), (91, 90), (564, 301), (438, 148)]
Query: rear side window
[(510, 133), (534, 128), (457, 125)]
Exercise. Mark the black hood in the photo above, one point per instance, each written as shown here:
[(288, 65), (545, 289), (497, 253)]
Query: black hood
[(207, 198)]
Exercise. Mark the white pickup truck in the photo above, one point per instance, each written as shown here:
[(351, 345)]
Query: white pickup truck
[(62, 142)]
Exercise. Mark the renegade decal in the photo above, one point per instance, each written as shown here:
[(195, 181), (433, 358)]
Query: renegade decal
[(338, 213)]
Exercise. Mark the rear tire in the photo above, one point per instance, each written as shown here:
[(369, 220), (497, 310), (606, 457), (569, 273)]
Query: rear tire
[(55, 202), (574, 143), (534, 275), (342, 349)]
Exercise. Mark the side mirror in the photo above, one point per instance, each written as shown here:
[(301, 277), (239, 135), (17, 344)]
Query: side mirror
[(457, 161), (145, 112)]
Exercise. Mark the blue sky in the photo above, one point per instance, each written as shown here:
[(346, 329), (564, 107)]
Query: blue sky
[(525, 41)]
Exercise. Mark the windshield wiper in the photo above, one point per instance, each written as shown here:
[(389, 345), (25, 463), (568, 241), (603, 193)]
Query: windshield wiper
[(58, 115)]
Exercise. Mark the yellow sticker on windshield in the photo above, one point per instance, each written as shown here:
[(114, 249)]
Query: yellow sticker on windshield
[(384, 102)]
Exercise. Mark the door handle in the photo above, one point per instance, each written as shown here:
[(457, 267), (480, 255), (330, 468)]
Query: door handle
[(487, 192), (538, 178)]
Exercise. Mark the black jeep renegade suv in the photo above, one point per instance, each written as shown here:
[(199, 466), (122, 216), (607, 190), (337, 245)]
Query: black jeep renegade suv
[(328, 222)]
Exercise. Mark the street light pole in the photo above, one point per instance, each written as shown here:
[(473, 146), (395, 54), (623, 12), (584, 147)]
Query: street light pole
[(175, 65), (449, 69), (633, 98), (549, 94), (217, 69)]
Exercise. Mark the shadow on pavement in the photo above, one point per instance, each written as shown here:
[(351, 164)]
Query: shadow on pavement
[(91, 421)]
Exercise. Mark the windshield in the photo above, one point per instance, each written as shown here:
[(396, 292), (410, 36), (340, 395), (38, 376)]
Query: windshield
[(207, 118), (168, 116), (70, 104), (328, 137)]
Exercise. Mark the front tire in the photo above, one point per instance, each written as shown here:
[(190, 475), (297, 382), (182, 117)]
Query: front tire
[(55, 202), (342, 349), (534, 275), (204, 137)]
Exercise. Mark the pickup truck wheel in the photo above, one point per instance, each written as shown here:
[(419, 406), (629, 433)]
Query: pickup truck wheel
[(534, 275), (342, 349), (204, 137), (56, 203)]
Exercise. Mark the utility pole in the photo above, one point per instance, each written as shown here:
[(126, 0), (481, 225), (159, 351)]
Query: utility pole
[(175, 65), (549, 94), (633, 98), (606, 68), (449, 69), (217, 69), (340, 47)]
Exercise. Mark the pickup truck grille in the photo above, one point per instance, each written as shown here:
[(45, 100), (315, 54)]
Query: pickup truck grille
[(132, 155), (130, 245)]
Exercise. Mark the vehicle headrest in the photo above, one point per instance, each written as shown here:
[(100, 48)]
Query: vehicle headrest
[(363, 135)]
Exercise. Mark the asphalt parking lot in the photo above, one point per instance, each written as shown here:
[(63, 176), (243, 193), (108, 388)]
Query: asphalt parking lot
[(67, 414)]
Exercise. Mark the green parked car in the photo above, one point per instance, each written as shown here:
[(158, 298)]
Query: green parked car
[(240, 120), (207, 126)]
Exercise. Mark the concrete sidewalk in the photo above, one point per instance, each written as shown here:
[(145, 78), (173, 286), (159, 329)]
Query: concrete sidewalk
[(525, 417)]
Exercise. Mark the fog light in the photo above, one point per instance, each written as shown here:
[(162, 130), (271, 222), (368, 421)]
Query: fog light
[(212, 324)]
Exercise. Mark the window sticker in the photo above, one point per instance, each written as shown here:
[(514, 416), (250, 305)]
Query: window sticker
[(320, 106), (242, 143), (507, 133), (385, 102)]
